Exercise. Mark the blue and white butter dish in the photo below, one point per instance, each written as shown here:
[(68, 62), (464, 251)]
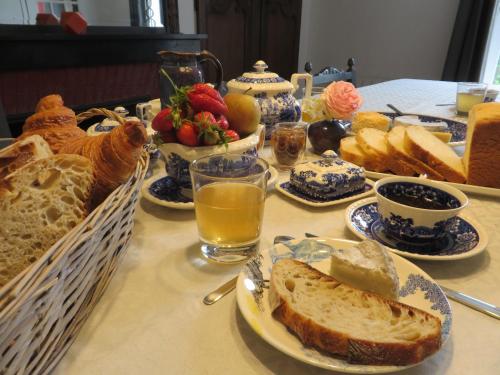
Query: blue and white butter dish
[(417, 210), (326, 181), (464, 239)]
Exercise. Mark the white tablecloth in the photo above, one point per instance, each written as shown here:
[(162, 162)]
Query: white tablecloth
[(151, 320)]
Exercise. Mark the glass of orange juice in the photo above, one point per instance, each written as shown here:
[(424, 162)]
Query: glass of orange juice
[(468, 95), (229, 191)]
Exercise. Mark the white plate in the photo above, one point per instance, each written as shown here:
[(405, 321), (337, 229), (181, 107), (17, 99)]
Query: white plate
[(492, 192), (473, 242), (187, 205), (416, 289), (316, 203)]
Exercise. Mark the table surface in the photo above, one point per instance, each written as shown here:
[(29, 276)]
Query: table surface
[(151, 319)]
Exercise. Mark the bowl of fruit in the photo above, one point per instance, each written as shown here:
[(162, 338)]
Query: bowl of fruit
[(200, 122)]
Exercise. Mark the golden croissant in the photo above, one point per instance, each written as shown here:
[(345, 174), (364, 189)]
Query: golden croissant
[(114, 155), (53, 122)]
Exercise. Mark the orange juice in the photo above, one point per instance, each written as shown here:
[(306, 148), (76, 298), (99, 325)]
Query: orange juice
[(229, 213)]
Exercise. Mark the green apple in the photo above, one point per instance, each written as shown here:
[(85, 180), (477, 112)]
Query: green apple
[(243, 113)]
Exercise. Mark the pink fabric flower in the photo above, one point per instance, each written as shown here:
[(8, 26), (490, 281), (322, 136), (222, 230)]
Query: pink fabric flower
[(341, 100)]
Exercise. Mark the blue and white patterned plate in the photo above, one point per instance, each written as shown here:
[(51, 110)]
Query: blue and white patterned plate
[(457, 129), (164, 191), (466, 238), (285, 188), (416, 289)]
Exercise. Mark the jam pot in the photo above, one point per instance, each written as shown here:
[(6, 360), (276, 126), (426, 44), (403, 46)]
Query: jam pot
[(274, 94), (288, 142)]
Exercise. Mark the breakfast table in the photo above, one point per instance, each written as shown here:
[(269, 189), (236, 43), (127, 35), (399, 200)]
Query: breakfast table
[(151, 319)]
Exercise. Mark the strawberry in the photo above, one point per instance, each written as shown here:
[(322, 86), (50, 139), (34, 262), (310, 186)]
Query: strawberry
[(202, 97), (222, 122), (231, 135), (187, 134), (211, 137), (163, 120), (204, 119)]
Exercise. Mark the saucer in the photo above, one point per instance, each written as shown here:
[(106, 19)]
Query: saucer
[(164, 191), (285, 188), (466, 239)]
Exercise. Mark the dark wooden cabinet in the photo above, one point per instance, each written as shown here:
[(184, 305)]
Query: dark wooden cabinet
[(240, 32)]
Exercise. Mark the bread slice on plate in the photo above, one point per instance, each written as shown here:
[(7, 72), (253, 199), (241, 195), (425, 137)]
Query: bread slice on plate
[(22, 152), (39, 204), (374, 143), (423, 145), (395, 143), (360, 327), (351, 151)]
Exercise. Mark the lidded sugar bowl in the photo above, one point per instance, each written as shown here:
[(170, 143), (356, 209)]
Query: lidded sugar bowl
[(273, 93)]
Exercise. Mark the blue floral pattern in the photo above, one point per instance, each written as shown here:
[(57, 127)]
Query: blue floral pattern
[(260, 80), (178, 168), (434, 294), (292, 190), (167, 189), (460, 236), (399, 227), (282, 107)]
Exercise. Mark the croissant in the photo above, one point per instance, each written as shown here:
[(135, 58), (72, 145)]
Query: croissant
[(53, 122), (114, 155)]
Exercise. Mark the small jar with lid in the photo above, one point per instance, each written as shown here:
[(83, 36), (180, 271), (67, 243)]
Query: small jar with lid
[(288, 142)]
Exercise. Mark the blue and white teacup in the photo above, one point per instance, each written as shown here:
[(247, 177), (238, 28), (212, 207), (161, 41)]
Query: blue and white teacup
[(417, 210)]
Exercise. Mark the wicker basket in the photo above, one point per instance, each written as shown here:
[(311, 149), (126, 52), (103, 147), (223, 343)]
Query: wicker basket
[(42, 309)]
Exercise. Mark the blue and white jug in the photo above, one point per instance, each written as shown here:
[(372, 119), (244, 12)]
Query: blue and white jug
[(274, 94)]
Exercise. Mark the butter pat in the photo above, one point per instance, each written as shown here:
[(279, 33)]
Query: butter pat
[(366, 266)]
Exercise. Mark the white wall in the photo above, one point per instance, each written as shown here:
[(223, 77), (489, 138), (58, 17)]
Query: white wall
[(389, 39)]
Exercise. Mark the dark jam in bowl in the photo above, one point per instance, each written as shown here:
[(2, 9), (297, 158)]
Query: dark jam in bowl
[(419, 196)]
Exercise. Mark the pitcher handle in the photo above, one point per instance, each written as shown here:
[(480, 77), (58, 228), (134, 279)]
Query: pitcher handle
[(305, 76), (211, 57)]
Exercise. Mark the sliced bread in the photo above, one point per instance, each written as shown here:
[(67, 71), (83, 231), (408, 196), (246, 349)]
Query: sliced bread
[(39, 204), (374, 143), (359, 326), (395, 143), (351, 151), (423, 145), (367, 266), (22, 152)]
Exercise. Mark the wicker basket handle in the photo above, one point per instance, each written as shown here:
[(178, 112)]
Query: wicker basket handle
[(100, 112)]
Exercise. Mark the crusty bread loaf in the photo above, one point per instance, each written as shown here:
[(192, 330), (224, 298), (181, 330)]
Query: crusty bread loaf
[(21, 153), (423, 145), (374, 143), (395, 143), (361, 327), (39, 204), (482, 152)]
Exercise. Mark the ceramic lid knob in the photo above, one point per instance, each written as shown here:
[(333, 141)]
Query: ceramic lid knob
[(260, 66)]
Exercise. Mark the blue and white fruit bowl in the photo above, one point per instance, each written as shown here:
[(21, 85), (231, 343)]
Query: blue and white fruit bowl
[(423, 224), (178, 157)]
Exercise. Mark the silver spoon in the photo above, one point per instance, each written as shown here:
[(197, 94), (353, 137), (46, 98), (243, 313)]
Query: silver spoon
[(224, 289)]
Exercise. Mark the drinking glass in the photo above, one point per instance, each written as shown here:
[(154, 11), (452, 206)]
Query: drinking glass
[(229, 191), (288, 142), (468, 95)]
